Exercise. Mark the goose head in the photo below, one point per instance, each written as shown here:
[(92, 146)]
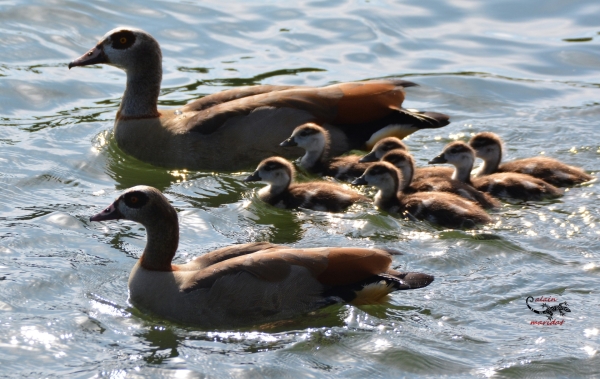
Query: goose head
[(382, 147), (487, 146), (141, 204), (138, 54), (461, 156), (275, 171), (125, 48), (149, 207), (383, 176)]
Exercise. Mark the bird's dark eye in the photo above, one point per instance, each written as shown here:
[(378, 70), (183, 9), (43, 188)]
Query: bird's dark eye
[(136, 199), (123, 39)]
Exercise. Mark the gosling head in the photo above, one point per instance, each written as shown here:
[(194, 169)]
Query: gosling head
[(382, 175), (487, 146), (275, 171), (400, 158), (458, 154), (382, 147), (310, 137)]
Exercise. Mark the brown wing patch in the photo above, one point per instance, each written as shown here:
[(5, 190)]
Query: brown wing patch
[(266, 266), (331, 266), (232, 94), (230, 252), (347, 266), (365, 102)]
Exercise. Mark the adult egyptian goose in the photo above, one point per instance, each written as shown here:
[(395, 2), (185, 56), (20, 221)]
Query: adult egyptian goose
[(315, 141), (505, 184), (387, 144), (442, 208), (282, 192), (235, 129), (406, 164), (488, 146), (246, 284)]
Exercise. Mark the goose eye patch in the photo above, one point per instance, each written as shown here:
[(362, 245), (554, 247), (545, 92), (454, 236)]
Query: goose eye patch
[(123, 39), (135, 199)]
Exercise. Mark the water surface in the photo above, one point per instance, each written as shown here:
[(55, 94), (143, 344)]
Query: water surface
[(525, 70)]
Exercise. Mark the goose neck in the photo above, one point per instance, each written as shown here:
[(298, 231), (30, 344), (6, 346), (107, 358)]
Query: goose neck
[(162, 243), (140, 99)]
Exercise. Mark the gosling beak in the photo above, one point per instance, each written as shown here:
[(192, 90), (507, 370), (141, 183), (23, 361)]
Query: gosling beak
[(255, 177), (439, 159), (94, 56), (371, 157), (110, 213), (360, 181), (289, 142)]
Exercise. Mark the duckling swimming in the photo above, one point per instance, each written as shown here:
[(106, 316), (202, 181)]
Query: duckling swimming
[(488, 146), (442, 208), (406, 164), (315, 141), (385, 145), (506, 184), (282, 192), (248, 284)]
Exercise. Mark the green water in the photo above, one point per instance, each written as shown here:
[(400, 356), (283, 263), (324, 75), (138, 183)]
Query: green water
[(527, 71)]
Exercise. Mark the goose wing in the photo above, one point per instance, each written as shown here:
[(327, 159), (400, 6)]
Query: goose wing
[(329, 266), (340, 104)]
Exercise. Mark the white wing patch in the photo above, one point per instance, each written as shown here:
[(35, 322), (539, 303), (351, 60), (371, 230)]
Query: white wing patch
[(374, 293), (397, 130)]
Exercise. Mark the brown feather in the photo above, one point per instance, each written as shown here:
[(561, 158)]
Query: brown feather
[(364, 102), (345, 266)]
